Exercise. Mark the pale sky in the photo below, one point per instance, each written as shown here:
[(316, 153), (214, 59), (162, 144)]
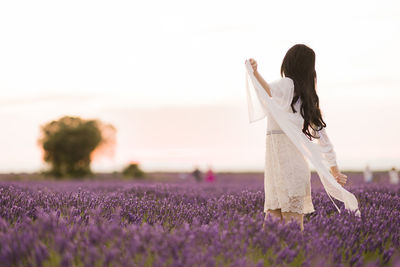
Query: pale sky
[(169, 75)]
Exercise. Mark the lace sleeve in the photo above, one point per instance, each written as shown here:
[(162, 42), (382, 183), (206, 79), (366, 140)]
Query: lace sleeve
[(326, 147)]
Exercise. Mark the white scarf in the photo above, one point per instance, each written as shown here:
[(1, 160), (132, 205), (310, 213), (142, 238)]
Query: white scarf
[(259, 103)]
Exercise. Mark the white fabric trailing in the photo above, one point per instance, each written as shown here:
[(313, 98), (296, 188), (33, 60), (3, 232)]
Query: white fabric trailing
[(278, 106)]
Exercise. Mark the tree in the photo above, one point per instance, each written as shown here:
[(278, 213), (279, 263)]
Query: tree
[(69, 142), (133, 170)]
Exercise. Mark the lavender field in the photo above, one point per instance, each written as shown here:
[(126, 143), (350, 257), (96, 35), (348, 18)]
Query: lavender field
[(184, 223)]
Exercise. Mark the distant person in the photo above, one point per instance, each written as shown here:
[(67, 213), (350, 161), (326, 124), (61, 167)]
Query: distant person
[(197, 174), (210, 176), (367, 174), (393, 176)]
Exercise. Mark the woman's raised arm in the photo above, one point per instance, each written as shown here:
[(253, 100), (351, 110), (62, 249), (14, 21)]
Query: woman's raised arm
[(258, 76)]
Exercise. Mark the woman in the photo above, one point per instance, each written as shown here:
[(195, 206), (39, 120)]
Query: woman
[(287, 175)]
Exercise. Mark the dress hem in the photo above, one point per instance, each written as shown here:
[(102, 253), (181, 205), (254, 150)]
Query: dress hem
[(287, 210)]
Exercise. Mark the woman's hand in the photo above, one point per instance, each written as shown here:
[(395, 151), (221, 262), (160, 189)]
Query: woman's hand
[(253, 64), (340, 177)]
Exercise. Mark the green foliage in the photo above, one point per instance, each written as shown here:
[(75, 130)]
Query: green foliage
[(68, 144), (54, 259), (133, 170)]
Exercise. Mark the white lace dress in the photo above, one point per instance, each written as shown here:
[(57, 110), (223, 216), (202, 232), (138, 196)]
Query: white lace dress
[(287, 176)]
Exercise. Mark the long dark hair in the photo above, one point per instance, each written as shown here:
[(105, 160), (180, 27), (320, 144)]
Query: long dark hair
[(299, 65)]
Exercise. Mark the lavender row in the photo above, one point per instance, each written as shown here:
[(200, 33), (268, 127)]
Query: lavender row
[(188, 224)]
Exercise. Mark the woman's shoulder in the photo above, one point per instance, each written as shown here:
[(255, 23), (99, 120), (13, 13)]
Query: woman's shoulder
[(287, 82), (284, 84)]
